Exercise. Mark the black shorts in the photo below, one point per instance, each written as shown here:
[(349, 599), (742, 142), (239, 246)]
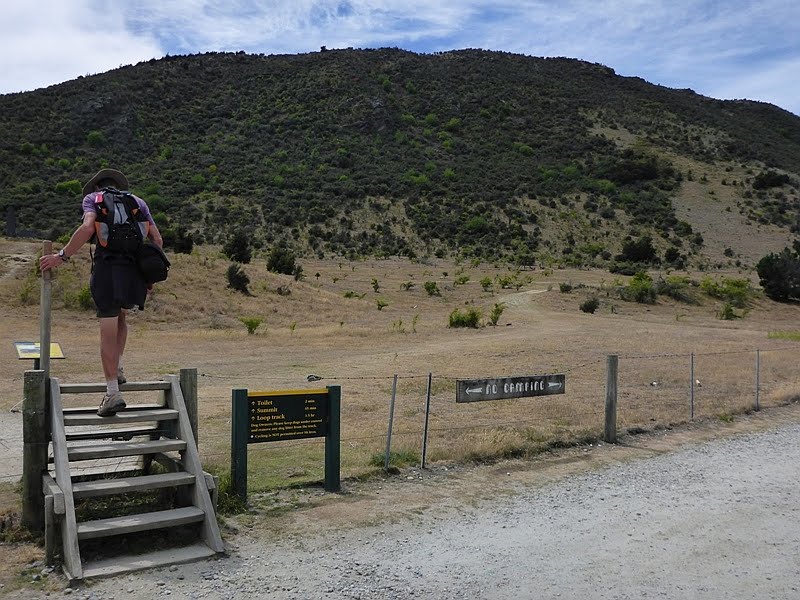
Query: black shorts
[(116, 284)]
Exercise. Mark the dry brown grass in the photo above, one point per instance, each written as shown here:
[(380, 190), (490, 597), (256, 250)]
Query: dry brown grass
[(192, 321)]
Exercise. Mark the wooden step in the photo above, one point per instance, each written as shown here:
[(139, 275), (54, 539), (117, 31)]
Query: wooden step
[(91, 409), (72, 419), (121, 433), (113, 450), (141, 522), (92, 388), (160, 558), (107, 487)]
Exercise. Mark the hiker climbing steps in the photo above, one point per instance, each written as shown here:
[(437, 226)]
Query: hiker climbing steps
[(122, 449)]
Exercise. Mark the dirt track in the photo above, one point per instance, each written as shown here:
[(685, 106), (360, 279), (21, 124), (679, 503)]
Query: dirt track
[(708, 511)]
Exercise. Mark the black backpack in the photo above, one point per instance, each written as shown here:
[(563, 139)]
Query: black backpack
[(121, 229)]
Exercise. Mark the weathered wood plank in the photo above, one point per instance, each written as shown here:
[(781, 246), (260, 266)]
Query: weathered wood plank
[(113, 433), (69, 528), (191, 460), (141, 522), (51, 488), (93, 388), (124, 416), (124, 449), (123, 485), (188, 379), (34, 448), (161, 558)]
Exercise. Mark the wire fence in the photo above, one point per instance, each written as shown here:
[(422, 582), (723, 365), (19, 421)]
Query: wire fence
[(654, 390)]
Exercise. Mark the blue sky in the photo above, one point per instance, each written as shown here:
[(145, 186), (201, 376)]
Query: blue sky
[(723, 49)]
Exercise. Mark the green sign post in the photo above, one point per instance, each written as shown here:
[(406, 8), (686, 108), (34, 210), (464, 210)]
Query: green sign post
[(285, 415)]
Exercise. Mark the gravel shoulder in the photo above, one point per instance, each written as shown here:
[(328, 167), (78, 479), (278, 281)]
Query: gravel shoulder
[(708, 510), (704, 511)]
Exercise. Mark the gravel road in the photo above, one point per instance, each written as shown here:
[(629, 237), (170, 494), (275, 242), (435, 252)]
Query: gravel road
[(715, 520)]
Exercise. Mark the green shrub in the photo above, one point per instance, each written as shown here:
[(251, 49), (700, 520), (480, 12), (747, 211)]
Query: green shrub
[(252, 323), (737, 292), (727, 313), (95, 138), (497, 311), (237, 247), (72, 187), (590, 305), (80, 300), (565, 288), (486, 284), (640, 289), (675, 287), (461, 280), (471, 317), (381, 303), (281, 260), (432, 288), (779, 275), (238, 279)]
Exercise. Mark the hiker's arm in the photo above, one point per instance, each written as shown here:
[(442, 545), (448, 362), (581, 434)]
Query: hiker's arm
[(155, 235), (82, 235)]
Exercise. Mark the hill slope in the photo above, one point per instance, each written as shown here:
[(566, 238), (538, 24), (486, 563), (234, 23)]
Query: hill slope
[(378, 152)]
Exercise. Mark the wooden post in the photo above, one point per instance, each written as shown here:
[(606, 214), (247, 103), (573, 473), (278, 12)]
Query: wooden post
[(333, 481), (49, 532), (44, 313), (612, 368), (188, 378), (239, 434), (34, 448)]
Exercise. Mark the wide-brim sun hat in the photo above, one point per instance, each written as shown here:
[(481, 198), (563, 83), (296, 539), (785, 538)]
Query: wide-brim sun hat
[(119, 179)]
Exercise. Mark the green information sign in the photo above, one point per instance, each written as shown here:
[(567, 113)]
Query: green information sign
[(285, 415), (294, 415)]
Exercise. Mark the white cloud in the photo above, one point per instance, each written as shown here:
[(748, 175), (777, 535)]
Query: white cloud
[(54, 41)]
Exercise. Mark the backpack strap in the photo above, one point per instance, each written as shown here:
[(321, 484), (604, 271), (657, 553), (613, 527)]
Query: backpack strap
[(132, 208)]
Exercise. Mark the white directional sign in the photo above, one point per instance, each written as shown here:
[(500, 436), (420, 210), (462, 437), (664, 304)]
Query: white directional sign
[(477, 390)]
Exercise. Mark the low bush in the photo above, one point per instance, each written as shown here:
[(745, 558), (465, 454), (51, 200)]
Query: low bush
[(432, 288), (497, 312), (252, 323), (237, 279), (640, 289), (471, 317), (590, 305), (676, 287)]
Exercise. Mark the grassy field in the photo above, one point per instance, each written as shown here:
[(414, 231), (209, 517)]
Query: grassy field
[(332, 325)]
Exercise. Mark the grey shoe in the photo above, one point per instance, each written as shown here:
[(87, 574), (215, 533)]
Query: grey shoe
[(121, 376), (110, 405)]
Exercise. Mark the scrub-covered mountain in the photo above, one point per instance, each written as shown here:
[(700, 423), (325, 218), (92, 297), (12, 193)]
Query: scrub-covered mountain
[(382, 152)]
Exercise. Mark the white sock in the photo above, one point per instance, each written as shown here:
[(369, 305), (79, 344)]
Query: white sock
[(112, 387)]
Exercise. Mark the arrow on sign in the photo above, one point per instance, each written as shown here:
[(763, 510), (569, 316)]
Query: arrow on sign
[(553, 384), (474, 390)]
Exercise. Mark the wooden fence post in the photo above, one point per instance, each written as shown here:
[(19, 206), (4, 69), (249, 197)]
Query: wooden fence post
[(612, 368), (35, 433), (45, 318), (188, 380)]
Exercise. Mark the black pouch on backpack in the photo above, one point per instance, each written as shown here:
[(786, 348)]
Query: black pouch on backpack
[(152, 262)]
